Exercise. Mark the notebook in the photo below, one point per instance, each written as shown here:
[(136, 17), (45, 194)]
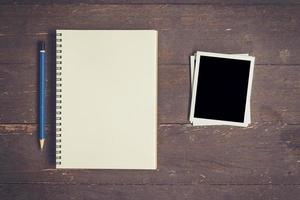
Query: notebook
[(106, 96)]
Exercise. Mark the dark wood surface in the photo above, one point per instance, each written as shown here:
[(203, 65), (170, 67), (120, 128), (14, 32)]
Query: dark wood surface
[(261, 161), (176, 2)]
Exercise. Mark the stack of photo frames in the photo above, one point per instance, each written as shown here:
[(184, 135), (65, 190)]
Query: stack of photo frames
[(221, 89)]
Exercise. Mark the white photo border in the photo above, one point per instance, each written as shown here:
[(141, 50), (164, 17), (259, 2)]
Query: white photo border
[(203, 121)]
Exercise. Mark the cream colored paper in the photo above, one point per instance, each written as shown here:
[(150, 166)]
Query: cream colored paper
[(109, 99)]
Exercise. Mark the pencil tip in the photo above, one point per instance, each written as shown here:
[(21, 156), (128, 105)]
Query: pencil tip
[(42, 143)]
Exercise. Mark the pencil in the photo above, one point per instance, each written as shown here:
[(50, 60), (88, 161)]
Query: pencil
[(42, 80)]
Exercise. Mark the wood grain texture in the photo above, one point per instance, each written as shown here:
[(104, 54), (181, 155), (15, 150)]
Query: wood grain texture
[(275, 93), (219, 162), (270, 33), (137, 192), (264, 153), (176, 2)]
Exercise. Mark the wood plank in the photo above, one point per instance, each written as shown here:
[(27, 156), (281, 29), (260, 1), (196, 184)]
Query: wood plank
[(264, 153), (275, 94), (178, 2), (148, 192), (270, 33)]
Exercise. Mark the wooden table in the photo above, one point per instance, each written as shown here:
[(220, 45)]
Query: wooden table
[(213, 163)]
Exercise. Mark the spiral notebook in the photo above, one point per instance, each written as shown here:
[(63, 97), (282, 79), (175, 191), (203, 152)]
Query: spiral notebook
[(106, 112)]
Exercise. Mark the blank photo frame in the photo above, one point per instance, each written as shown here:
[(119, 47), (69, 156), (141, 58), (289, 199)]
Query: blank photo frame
[(221, 89)]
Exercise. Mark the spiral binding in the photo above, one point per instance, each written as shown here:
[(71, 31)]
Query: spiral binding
[(58, 96)]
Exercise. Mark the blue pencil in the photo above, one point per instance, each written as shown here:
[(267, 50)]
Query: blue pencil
[(42, 95)]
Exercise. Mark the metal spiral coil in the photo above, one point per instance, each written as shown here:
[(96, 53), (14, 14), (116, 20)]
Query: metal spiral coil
[(58, 96)]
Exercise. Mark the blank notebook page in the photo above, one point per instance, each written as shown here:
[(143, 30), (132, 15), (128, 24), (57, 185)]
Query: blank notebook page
[(108, 105)]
